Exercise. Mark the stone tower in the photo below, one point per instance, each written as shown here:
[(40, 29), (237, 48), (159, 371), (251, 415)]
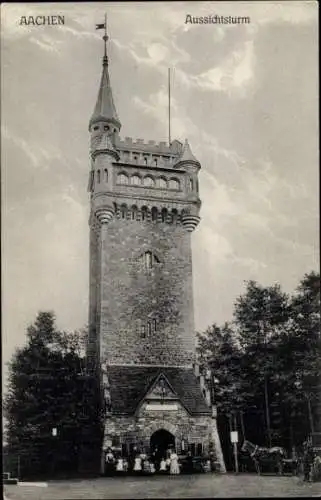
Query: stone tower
[(145, 206)]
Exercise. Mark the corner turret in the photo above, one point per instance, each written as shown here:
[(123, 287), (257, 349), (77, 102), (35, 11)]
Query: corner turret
[(187, 158)]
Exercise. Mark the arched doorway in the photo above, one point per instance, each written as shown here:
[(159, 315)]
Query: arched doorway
[(162, 440)]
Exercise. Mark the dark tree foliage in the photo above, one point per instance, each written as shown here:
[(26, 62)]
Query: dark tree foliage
[(49, 388), (268, 363)]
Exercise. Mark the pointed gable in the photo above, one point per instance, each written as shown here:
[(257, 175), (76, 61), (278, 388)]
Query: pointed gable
[(161, 389)]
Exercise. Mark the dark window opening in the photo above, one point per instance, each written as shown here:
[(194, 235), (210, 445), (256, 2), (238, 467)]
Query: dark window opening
[(145, 160), (134, 212), (174, 215), (144, 213), (143, 332), (164, 215), (154, 214), (106, 175), (98, 176), (199, 449), (96, 128), (192, 448), (149, 326), (191, 184), (123, 211), (115, 441), (106, 127)]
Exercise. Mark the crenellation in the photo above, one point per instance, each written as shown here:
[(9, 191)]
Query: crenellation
[(150, 146)]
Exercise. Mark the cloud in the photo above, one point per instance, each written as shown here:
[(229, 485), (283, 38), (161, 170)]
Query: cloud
[(46, 43), (38, 155), (232, 75)]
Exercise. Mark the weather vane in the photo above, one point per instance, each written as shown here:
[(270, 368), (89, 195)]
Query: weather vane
[(105, 37)]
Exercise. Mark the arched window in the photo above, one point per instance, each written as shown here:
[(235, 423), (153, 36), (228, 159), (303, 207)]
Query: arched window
[(96, 128), (149, 181), (155, 162), (135, 159), (123, 211), (154, 214), (149, 259), (134, 212), (145, 160), (135, 180), (144, 213), (106, 127), (98, 176), (122, 179), (164, 214), (174, 215), (162, 183), (155, 324), (174, 184), (143, 331), (149, 328), (191, 185), (106, 175)]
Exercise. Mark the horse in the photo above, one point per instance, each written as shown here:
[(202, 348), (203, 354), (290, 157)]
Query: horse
[(261, 455)]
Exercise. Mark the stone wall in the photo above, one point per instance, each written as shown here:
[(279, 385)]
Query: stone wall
[(139, 429), (132, 295)]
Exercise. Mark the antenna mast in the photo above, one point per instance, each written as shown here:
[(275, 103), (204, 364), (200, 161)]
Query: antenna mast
[(169, 106)]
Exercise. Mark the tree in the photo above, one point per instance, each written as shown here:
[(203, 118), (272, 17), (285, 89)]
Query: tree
[(300, 354), (258, 315), (49, 388), (219, 352)]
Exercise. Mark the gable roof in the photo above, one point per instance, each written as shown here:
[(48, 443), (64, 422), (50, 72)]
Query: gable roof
[(130, 384)]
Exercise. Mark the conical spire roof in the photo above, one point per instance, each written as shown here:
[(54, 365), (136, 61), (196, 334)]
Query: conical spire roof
[(187, 155), (105, 108)]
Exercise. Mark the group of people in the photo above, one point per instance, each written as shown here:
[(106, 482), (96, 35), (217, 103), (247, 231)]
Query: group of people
[(141, 463), (308, 458)]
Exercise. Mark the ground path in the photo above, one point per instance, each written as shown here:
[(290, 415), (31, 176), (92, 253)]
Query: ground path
[(201, 485)]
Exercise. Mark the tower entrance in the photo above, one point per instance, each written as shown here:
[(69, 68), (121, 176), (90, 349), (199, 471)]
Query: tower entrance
[(162, 440)]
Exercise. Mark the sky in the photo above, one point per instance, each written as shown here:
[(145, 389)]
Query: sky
[(245, 96)]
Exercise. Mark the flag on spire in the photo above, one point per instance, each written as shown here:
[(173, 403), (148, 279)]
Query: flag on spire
[(100, 26)]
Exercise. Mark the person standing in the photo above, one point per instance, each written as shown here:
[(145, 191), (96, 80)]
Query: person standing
[(110, 462), (162, 466), (137, 464), (307, 460), (120, 465), (174, 466)]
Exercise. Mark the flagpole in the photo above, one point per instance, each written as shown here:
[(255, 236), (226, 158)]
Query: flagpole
[(169, 106)]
